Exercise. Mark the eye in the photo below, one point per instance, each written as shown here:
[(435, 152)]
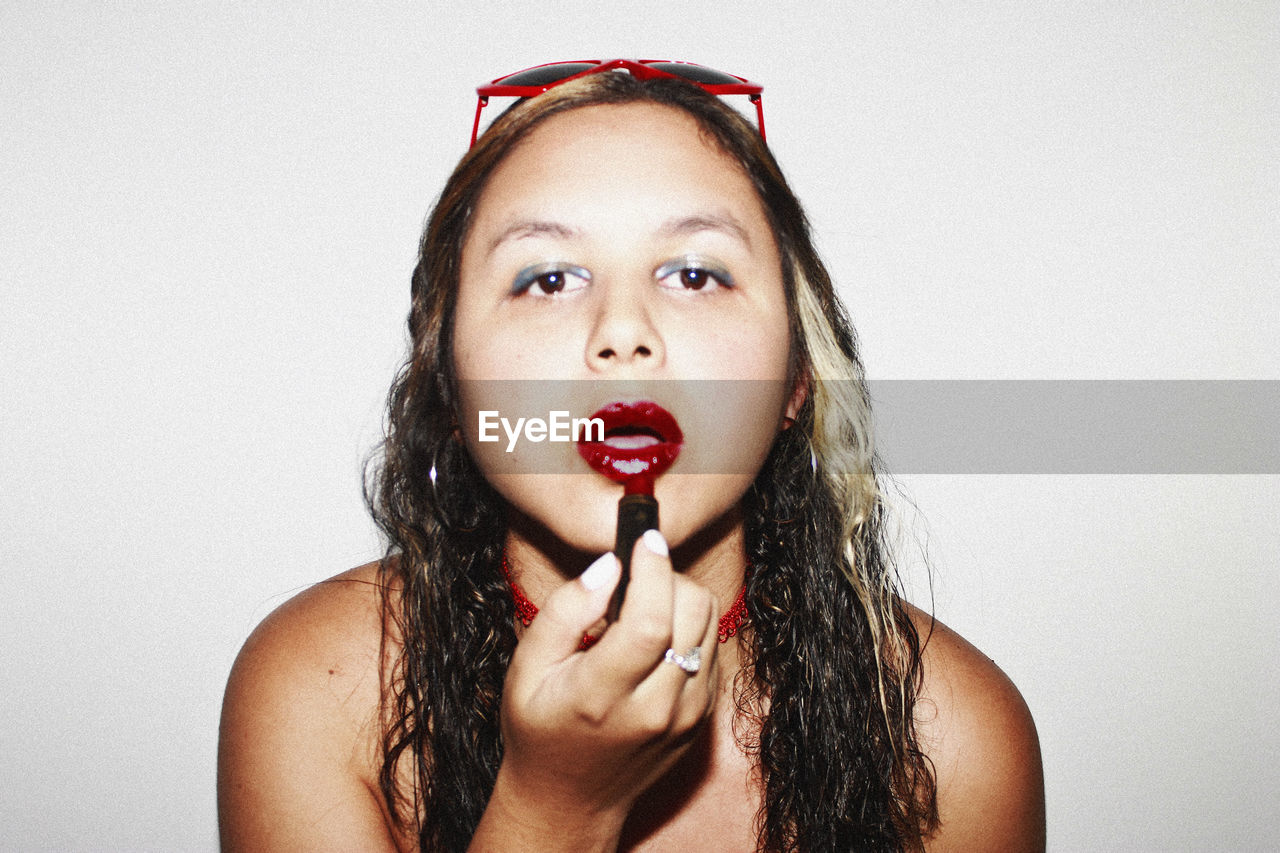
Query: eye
[(693, 273), (550, 279)]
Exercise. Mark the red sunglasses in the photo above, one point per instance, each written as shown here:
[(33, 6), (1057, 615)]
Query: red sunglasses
[(540, 78)]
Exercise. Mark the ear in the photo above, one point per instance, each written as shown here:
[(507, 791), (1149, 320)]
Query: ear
[(799, 394)]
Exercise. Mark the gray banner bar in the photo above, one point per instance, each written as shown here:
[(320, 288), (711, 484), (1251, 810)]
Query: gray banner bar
[(951, 426), (1078, 426)]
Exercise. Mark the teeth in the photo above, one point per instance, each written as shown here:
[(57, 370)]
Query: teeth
[(631, 442)]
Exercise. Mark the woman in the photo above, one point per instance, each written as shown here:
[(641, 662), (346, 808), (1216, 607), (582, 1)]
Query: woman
[(763, 686)]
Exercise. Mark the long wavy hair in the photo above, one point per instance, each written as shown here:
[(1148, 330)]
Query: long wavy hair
[(832, 666)]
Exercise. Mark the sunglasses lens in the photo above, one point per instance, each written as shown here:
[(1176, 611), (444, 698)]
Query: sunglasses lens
[(696, 73), (544, 75)]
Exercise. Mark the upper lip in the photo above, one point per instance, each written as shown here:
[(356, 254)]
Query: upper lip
[(642, 416)]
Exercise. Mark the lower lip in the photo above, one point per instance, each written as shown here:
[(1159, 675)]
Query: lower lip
[(624, 464)]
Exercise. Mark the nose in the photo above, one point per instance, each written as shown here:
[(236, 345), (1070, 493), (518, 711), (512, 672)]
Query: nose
[(623, 333)]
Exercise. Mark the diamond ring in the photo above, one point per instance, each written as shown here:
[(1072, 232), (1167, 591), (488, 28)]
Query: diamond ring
[(690, 661)]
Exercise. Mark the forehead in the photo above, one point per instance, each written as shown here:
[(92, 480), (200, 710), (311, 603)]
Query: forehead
[(607, 161)]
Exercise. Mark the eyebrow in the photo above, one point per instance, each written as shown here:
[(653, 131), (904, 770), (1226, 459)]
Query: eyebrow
[(722, 222), (532, 228)]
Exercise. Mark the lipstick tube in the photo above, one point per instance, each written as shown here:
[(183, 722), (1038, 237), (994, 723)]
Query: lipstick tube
[(636, 513)]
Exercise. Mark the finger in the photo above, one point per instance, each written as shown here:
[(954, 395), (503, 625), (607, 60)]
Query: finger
[(708, 678), (632, 647), (568, 613), (698, 693), (694, 612)]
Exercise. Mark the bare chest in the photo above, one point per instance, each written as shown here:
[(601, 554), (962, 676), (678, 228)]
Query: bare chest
[(708, 801)]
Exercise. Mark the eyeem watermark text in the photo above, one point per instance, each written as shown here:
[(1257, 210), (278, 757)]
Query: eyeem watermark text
[(557, 427)]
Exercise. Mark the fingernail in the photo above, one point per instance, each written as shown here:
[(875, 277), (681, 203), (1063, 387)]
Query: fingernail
[(599, 573), (654, 542)]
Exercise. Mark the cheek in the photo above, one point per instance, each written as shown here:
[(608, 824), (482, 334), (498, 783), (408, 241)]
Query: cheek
[(518, 426), (736, 417), (497, 345), (754, 348), (477, 353), (731, 424)]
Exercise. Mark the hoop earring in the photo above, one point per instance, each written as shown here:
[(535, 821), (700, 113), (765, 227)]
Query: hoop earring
[(787, 423), (443, 470)]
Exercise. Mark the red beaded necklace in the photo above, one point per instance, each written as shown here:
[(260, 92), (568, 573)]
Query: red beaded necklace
[(730, 623)]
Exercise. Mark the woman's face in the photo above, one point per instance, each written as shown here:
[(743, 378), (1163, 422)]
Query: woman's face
[(616, 255)]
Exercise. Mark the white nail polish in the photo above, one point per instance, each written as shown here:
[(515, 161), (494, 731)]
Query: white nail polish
[(654, 541), (599, 572)]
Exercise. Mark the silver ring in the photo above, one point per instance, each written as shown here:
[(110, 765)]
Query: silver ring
[(690, 661)]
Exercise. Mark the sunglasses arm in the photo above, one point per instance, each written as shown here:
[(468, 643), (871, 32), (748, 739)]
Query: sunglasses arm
[(758, 100), (481, 102)]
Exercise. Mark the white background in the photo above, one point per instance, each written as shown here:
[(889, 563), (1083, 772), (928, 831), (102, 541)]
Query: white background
[(208, 217)]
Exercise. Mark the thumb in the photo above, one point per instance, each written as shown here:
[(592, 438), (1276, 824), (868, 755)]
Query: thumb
[(569, 612)]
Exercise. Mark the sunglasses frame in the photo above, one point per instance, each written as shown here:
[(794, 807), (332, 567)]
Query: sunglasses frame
[(641, 68)]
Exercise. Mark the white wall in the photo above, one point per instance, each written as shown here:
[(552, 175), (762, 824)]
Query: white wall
[(208, 217)]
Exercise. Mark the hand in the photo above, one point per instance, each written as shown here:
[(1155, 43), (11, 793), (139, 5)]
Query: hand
[(585, 733)]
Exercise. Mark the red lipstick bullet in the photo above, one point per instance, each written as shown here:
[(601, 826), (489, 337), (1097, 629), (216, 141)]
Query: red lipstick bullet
[(641, 440)]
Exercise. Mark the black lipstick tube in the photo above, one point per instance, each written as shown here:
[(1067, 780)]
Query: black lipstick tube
[(636, 514)]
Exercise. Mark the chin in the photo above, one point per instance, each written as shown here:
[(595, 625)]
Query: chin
[(573, 517), (697, 510), (562, 513)]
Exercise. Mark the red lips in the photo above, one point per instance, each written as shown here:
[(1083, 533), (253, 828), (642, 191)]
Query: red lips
[(641, 440)]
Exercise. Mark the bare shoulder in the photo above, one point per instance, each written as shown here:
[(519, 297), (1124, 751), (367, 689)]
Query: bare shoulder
[(298, 744), (978, 732)]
